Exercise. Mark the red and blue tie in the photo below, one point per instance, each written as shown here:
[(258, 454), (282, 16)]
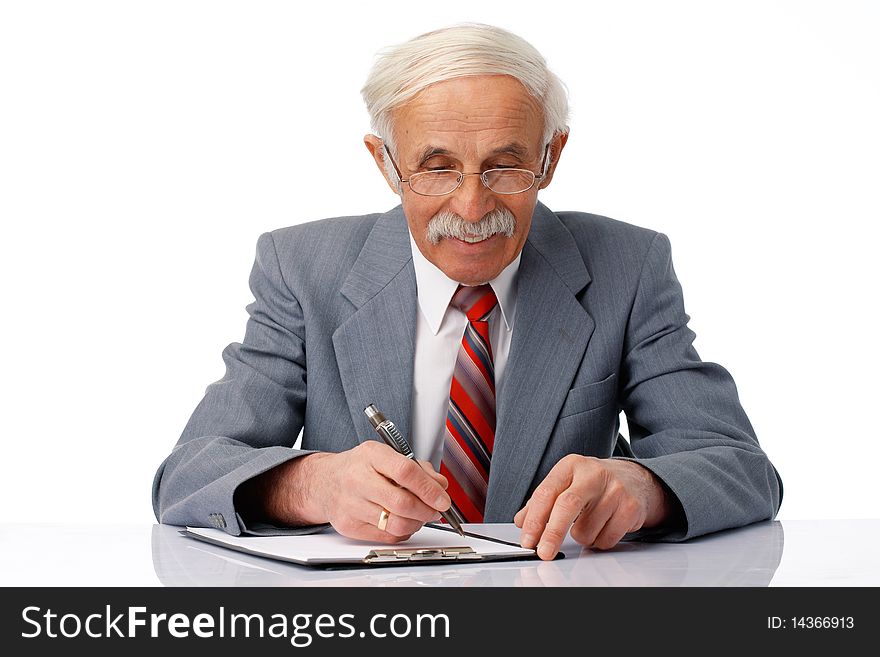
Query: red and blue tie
[(470, 419)]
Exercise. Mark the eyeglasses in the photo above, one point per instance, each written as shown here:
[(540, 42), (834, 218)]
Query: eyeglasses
[(446, 181)]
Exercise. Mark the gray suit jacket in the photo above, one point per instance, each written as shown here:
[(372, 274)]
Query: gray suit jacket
[(600, 327)]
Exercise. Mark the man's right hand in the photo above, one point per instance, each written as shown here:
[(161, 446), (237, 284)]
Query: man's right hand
[(349, 490)]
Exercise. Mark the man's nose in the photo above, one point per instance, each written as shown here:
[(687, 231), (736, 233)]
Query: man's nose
[(472, 200)]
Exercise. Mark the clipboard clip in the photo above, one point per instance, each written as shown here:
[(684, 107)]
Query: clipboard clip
[(392, 555)]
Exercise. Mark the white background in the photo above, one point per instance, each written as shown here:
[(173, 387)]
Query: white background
[(145, 146)]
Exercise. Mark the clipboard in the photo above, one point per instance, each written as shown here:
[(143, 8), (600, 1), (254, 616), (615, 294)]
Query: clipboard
[(432, 544)]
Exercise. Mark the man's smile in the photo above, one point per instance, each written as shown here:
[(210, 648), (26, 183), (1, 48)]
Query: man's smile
[(473, 243), (475, 239)]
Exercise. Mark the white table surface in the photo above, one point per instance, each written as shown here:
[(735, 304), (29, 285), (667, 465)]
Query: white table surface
[(779, 553)]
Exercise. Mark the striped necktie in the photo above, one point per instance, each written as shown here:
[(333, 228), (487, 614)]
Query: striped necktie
[(470, 419)]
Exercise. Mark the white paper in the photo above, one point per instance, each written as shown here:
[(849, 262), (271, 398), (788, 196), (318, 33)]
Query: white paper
[(330, 546)]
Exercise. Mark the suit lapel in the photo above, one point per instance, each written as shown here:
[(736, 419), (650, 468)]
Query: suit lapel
[(376, 344), (550, 336)]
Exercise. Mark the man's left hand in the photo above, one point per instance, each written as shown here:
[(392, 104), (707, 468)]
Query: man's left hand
[(599, 499)]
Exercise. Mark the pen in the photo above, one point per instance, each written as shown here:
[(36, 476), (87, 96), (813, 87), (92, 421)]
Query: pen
[(393, 438)]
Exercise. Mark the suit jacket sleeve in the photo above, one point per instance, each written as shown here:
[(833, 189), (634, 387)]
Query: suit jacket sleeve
[(249, 420), (685, 420)]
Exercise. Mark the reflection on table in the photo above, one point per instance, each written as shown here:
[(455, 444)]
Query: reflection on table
[(743, 557)]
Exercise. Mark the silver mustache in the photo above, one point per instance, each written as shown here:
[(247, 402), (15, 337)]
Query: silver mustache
[(447, 224)]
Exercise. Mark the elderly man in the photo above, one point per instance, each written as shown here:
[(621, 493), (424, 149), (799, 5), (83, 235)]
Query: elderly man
[(502, 338)]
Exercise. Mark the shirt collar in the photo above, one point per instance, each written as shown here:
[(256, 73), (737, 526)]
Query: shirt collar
[(435, 289)]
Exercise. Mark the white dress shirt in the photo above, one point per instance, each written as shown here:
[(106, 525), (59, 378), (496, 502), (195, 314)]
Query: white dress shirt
[(439, 329)]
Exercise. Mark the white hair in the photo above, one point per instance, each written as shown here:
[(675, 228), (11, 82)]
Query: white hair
[(402, 71)]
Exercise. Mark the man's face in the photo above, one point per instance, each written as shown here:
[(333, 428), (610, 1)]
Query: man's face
[(469, 124)]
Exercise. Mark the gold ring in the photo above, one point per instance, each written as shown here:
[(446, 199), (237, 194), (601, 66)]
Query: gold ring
[(383, 520)]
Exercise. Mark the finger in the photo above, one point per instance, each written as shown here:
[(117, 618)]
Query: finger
[(402, 503), (365, 517), (609, 536), (592, 521), (520, 516), (364, 531), (399, 527), (569, 504), (537, 510), (410, 475), (627, 518), (428, 467)]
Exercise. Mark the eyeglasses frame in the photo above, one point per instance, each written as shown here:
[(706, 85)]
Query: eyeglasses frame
[(461, 174)]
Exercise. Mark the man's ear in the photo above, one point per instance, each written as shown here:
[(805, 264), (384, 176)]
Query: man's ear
[(556, 145), (376, 147)]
